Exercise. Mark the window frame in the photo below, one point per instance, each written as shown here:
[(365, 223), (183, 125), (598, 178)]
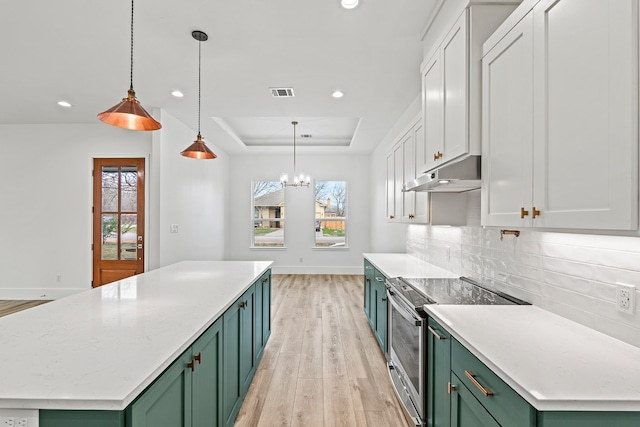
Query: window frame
[(344, 219), (281, 219)]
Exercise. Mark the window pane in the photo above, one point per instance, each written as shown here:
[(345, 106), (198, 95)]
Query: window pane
[(128, 233), (268, 214), (331, 213), (129, 189), (110, 189), (109, 237)]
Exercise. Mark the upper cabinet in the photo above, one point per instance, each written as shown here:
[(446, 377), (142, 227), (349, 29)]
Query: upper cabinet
[(451, 87), (560, 117)]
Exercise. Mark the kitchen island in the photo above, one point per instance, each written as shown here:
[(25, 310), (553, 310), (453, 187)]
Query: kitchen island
[(99, 350)]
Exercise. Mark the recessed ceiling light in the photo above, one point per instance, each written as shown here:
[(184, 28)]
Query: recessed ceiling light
[(337, 94), (177, 94), (64, 104), (349, 4)]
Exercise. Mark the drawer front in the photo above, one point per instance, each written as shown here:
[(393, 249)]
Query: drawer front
[(504, 404)]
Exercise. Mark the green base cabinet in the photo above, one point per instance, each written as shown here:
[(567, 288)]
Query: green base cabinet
[(188, 393), (466, 411), (588, 419), (375, 302), (206, 385), (438, 369)]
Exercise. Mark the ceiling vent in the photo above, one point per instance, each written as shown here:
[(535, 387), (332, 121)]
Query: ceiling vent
[(282, 92)]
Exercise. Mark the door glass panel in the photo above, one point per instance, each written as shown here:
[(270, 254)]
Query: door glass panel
[(128, 189), (109, 188), (109, 236), (128, 233)]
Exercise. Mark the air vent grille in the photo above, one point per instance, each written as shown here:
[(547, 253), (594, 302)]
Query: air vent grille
[(282, 92), (306, 135)]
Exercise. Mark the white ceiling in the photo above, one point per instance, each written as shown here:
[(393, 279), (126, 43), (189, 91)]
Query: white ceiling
[(78, 50)]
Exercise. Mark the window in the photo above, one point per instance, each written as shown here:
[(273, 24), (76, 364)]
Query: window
[(268, 214), (331, 214)]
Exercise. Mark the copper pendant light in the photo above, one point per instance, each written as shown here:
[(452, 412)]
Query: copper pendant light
[(129, 114), (199, 150)]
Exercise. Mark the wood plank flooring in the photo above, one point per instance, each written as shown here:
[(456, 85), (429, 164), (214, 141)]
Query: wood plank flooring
[(14, 306), (322, 365)]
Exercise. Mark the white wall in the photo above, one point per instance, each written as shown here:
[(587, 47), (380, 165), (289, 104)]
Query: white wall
[(299, 211), (46, 198), (191, 194), (45, 203)]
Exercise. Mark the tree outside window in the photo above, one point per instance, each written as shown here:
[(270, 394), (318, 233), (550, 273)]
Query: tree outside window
[(330, 214)]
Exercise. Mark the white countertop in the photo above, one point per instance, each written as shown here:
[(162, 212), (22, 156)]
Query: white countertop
[(405, 265), (100, 348), (553, 363)]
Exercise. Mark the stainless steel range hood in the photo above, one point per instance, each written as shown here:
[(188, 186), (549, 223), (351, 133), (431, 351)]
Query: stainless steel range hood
[(457, 177)]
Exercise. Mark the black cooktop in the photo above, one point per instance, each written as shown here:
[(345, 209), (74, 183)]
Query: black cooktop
[(421, 291)]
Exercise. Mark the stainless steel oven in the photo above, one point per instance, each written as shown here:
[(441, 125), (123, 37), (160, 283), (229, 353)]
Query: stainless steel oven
[(407, 351), (408, 330)]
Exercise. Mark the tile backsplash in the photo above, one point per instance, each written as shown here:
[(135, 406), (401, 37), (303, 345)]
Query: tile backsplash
[(573, 275)]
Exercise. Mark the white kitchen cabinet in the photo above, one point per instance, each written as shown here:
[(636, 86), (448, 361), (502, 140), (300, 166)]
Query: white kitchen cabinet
[(451, 86), (579, 58), (417, 207), (508, 128)]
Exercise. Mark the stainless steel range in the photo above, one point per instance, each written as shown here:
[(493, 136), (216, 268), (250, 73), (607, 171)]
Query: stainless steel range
[(408, 329)]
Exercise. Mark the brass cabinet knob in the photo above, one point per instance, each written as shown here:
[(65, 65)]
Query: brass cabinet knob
[(391, 216), (198, 358), (523, 213), (535, 213), (435, 156), (192, 365)]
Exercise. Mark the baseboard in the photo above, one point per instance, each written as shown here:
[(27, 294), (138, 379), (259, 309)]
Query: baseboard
[(37, 293), (316, 270)]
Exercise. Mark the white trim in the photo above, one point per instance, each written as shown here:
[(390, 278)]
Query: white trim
[(38, 293), (328, 269)]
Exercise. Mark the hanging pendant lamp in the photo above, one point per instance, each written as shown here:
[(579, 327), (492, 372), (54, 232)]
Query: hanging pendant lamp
[(199, 150), (129, 114), (298, 181)]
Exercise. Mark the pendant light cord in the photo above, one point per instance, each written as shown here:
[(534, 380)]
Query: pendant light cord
[(131, 70), (199, 84), (294, 149)]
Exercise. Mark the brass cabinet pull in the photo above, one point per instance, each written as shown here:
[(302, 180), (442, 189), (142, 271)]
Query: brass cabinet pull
[(450, 388), (523, 213), (265, 279), (437, 335), (475, 382), (411, 216), (198, 358), (192, 365), (379, 279), (535, 213), (243, 304), (435, 156), (391, 216)]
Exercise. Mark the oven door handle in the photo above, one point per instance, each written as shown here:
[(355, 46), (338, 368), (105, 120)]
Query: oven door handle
[(403, 310)]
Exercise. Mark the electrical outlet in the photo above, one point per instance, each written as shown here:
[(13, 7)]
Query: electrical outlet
[(174, 228), (22, 422), (9, 422), (625, 298)]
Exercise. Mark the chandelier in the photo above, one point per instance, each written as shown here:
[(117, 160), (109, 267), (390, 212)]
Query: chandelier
[(298, 180)]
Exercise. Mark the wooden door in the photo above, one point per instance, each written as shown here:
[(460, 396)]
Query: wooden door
[(118, 219)]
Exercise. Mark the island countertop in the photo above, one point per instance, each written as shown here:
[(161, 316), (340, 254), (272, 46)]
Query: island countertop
[(99, 349)]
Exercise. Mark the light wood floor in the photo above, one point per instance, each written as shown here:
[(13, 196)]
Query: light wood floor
[(322, 365), (13, 306)]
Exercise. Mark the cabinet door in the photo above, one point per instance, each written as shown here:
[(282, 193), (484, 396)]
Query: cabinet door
[(408, 174), (421, 199), (167, 402), (266, 308), (455, 81), (586, 114), (390, 214), (368, 279), (466, 411), (438, 373), (432, 105), (231, 384), (258, 338), (381, 311), (247, 355), (207, 391), (507, 127)]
